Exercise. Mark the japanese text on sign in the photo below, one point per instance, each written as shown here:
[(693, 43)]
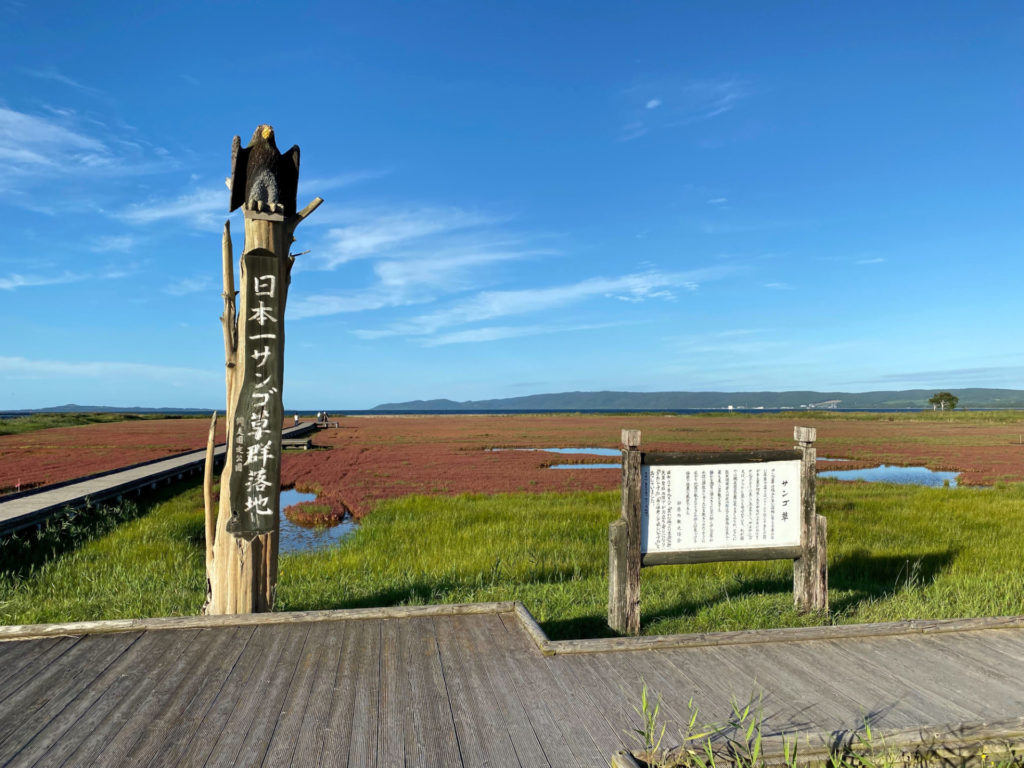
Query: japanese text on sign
[(720, 506)]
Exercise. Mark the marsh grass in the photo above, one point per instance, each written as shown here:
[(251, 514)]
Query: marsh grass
[(17, 425), (739, 742), (895, 552)]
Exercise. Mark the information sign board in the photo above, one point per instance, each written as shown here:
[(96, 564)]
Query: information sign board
[(687, 508)]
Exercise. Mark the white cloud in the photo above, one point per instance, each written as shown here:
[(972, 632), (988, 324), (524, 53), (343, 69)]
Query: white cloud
[(189, 285), (21, 367), (779, 286), (496, 333), (871, 261), (51, 73), (705, 99), (37, 149), (317, 186), (116, 243), (13, 281), (376, 233), (204, 208), (488, 305), (653, 104), (718, 200), (632, 131)]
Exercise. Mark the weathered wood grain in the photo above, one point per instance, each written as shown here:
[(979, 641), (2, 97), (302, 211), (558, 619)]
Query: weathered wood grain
[(365, 695), (543, 693), (631, 512), (326, 687)]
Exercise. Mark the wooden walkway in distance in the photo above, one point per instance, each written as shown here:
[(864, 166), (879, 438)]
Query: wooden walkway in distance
[(29, 508), (473, 685)]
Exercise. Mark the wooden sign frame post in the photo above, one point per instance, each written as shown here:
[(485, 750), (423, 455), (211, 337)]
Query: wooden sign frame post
[(750, 490), (242, 538)]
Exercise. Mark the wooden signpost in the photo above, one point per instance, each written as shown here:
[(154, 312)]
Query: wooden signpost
[(242, 537), (697, 508)]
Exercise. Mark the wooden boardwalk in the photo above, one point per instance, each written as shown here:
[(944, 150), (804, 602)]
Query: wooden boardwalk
[(474, 685), (29, 508)]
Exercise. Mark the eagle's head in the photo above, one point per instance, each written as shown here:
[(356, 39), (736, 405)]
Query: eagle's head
[(263, 133)]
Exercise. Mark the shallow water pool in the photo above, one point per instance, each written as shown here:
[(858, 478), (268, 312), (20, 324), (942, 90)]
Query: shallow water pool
[(297, 538)]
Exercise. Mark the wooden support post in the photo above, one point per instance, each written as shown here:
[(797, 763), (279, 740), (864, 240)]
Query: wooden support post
[(617, 571), (810, 570), (242, 551), (624, 601)]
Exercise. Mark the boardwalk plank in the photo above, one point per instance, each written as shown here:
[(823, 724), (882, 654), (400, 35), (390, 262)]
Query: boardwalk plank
[(1002, 676), (255, 682), (275, 685), (90, 716), (591, 711), (494, 673), (391, 721), (166, 672), (33, 665), (365, 696), (865, 702), (138, 731), (43, 696), (506, 632), (285, 731), (480, 740), (16, 654), (173, 730), (313, 729), (535, 673), (432, 740), (338, 736), (878, 662)]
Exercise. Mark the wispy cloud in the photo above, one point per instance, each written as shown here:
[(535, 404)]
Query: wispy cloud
[(21, 367), (779, 286), (870, 261), (718, 201), (705, 99), (678, 104), (499, 332), (113, 243), (51, 73), (189, 285), (14, 280), (489, 305), (204, 208), (375, 233), (317, 186), (38, 148)]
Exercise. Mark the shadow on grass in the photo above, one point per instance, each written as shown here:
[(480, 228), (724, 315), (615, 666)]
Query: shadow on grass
[(860, 575), (27, 550)]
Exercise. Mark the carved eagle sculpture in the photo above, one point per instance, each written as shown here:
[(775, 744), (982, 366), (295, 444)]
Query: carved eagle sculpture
[(262, 179)]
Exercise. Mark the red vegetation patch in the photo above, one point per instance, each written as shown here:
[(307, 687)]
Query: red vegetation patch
[(310, 514), (370, 458), (53, 455)]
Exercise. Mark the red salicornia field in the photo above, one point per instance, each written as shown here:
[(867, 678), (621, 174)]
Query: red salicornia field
[(369, 458)]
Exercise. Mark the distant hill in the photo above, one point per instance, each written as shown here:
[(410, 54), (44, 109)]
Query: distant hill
[(72, 408), (654, 401)]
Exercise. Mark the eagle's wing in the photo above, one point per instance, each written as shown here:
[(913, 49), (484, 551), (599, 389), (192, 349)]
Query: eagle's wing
[(239, 162), (288, 179)]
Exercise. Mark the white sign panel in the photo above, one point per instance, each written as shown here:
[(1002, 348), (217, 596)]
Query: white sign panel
[(720, 506)]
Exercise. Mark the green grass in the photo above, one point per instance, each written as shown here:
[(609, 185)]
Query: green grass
[(895, 552), (16, 425)]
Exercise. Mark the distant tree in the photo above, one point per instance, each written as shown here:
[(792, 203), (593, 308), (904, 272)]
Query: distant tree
[(943, 400)]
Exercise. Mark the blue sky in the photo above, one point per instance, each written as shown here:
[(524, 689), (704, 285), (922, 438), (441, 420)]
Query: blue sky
[(520, 197)]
